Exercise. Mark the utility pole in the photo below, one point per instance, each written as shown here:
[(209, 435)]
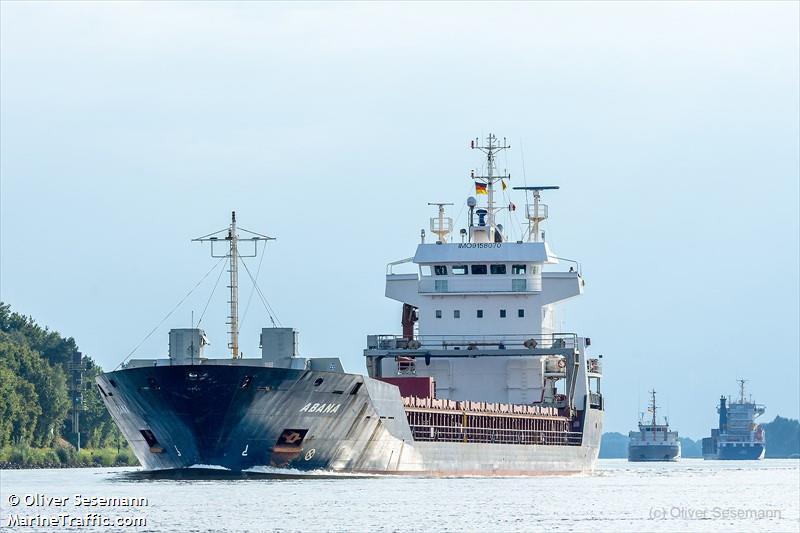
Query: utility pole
[(76, 393)]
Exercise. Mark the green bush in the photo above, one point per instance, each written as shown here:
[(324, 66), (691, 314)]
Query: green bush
[(67, 455), (24, 456), (126, 458), (5, 454), (20, 454), (37, 457), (84, 458), (51, 458)]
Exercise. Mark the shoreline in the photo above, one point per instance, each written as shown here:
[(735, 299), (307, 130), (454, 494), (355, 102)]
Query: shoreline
[(51, 466)]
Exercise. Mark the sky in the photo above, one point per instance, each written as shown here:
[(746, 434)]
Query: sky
[(673, 130)]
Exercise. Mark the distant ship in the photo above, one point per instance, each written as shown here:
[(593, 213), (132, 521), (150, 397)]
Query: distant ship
[(479, 382), (738, 437), (653, 441)]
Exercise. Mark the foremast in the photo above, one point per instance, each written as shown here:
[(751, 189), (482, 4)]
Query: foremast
[(233, 321), (652, 408), (231, 234)]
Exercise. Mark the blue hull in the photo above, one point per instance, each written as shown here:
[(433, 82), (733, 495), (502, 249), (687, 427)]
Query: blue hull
[(741, 453)]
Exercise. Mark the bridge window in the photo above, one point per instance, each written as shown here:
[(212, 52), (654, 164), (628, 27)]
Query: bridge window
[(480, 313), (440, 270), (438, 313), (518, 270), (479, 269), (521, 313), (459, 270), (497, 269), (456, 314), (502, 313)]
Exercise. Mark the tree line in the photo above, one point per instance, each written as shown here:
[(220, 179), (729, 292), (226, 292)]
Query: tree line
[(34, 388)]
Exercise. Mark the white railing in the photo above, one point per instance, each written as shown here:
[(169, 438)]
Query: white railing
[(444, 225), (471, 342), (390, 266), (536, 212)]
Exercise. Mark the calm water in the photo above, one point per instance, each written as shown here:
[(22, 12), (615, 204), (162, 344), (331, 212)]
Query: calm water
[(692, 495)]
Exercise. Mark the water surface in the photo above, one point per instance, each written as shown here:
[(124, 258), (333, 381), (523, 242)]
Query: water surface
[(692, 495)]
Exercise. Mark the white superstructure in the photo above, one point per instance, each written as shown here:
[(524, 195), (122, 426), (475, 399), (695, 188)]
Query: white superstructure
[(481, 307)]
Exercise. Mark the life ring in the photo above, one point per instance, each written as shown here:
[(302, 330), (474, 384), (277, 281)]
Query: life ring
[(562, 363)]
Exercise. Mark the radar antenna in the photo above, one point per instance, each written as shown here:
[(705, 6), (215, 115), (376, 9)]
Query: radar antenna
[(536, 213), (232, 236)]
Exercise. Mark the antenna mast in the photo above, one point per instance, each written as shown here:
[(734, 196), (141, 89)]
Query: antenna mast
[(536, 212), (653, 409), (232, 236), (741, 389), (491, 149), (234, 272), (441, 225)]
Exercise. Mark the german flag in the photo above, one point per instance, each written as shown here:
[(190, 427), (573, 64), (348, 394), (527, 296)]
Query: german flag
[(480, 188)]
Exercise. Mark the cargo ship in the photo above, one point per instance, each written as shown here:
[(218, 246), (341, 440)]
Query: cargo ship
[(479, 382), (738, 436), (653, 441)]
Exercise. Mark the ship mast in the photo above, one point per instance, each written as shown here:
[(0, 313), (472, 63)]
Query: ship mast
[(653, 409), (232, 236), (234, 272), (741, 389), (491, 149)]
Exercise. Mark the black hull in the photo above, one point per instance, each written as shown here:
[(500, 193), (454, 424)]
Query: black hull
[(247, 418), (229, 416)]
